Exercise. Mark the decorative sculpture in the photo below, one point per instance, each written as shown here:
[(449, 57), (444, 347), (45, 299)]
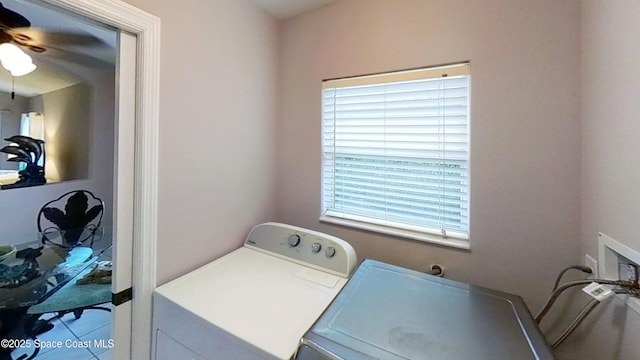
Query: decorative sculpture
[(28, 150)]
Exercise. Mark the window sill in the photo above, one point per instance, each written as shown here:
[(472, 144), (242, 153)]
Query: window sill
[(407, 234)]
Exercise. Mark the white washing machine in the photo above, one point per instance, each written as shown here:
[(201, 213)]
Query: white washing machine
[(254, 303)]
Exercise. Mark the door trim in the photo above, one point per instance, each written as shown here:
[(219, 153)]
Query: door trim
[(146, 28)]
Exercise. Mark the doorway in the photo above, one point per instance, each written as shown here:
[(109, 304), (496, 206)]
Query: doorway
[(136, 162), (136, 167)]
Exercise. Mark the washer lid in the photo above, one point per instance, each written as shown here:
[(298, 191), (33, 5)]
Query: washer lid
[(388, 312), (266, 301)]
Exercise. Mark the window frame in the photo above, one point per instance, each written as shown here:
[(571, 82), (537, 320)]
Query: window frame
[(384, 226)]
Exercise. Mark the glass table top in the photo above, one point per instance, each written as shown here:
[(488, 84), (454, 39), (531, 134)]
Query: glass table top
[(36, 271)]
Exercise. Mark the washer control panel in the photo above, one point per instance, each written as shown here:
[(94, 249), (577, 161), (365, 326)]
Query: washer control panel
[(314, 249)]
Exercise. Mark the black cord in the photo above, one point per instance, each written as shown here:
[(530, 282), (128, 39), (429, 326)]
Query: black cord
[(556, 293), (574, 324), (584, 269), (587, 310), (626, 287)]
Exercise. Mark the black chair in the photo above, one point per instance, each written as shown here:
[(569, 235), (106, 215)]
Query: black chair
[(67, 222), (70, 220)]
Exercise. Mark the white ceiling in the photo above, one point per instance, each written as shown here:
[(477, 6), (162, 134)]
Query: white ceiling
[(284, 9)]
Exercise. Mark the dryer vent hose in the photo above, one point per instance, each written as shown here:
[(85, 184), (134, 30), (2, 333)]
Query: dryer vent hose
[(436, 270)]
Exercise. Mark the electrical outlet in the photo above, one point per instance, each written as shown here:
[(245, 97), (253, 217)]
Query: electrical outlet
[(593, 264)]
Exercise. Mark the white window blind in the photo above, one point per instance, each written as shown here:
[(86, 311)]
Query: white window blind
[(396, 150)]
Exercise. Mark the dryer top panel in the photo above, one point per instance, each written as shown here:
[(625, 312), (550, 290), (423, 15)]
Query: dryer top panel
[(389, 312)]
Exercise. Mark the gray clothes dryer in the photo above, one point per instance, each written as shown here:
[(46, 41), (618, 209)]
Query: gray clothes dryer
[(392, 313)]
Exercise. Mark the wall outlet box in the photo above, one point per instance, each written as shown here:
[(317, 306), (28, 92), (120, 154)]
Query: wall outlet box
[(618, 262)]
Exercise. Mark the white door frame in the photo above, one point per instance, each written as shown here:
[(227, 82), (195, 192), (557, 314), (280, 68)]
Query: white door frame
[(146, 29)]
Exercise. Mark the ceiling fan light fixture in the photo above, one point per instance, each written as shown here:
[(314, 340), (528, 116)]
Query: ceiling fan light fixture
[(16, 61), (23, 69)]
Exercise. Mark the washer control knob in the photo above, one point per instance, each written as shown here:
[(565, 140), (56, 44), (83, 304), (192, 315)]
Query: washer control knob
[(294, 240), (315, 247), (330, 251)]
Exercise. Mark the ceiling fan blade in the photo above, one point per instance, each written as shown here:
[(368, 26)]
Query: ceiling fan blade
[(11, 19), (77, 57), (58, 39)]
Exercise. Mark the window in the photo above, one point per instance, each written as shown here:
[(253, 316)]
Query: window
[(396, 153)]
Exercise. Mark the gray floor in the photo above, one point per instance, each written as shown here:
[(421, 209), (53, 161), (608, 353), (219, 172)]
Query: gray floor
[(93, 325)]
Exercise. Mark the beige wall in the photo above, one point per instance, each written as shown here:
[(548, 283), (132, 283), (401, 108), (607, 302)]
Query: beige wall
[(66, 131), (217, 121), (610, 166), (224, 65), (525, 131)]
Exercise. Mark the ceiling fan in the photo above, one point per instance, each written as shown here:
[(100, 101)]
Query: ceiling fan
[(16, 29), (9, 22)]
